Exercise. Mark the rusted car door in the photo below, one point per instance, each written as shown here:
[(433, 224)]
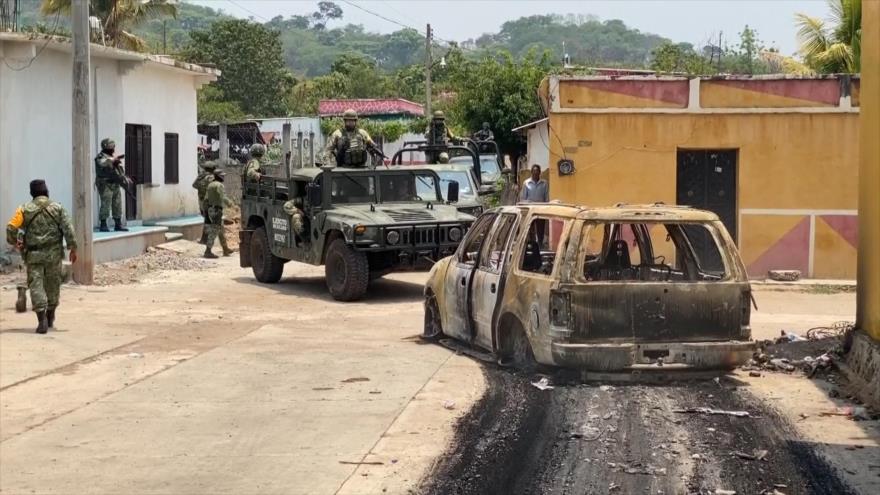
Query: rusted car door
[(459, 275), (487, 280)]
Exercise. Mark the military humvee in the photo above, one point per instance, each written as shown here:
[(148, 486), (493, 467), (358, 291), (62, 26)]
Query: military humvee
[(359, 223)]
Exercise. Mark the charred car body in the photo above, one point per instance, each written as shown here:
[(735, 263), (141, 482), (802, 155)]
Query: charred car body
[(618, 289), (359, 223)]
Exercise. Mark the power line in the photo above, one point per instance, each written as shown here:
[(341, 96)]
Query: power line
[(49, 37), (401, 24), (242, 7)]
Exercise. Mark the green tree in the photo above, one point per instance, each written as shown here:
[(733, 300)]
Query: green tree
[(500, 90), (669, 57), (212, 107), (119, 17), (833, 46), (249, 58)]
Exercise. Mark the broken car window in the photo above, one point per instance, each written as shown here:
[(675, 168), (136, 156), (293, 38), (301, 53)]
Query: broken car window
[(474, 239), (650, 252), (542, 243), (493, 254)]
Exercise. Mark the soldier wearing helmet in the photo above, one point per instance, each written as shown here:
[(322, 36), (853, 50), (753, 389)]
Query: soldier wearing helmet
[(253, 171), (438, 133), (351, 145), (215, 201), (109, 177), (203, 179)]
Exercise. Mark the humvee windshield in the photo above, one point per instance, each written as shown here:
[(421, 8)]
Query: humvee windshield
[(385, 188)]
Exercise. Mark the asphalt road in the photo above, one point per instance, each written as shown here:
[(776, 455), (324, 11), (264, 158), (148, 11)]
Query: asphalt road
[(627, 439)]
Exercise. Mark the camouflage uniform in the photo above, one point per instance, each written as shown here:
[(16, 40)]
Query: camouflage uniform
[(253, 170), (296, 215), (107, 181), (205, 177), (215, 200), (350, 146), (41, 225)]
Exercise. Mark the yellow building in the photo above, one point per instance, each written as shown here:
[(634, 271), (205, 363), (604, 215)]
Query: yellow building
[(776, 157)]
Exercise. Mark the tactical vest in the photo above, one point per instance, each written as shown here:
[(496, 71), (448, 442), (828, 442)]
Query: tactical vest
[(107, 174), (351, 150), (438, 132)]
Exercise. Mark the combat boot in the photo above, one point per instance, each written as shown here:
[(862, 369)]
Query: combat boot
[(50, 318), (43, 325), (119, 227), (103, 227), (227, 252), (21, 302), (208, 254)]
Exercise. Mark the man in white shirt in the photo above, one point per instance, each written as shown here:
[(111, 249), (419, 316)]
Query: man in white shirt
[(535, 189)]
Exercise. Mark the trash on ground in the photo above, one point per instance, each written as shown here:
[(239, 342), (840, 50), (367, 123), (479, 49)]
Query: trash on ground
[(856, 413), (709, 410), (757, 455), (719, 491), (135, 355), (606, 388), (588, 433), (362, 463), (543, 384), (789, 337), (449, 404)]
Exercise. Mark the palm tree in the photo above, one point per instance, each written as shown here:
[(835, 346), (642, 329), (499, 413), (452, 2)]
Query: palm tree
[(835, 46), (119, 17)]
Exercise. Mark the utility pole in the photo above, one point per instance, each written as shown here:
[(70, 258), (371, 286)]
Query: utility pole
[(84, 268), (428, 63)]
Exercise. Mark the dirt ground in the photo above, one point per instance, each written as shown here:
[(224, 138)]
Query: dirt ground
[(200, 380)]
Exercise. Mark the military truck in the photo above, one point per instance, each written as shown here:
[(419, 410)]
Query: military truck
[(359, 223)]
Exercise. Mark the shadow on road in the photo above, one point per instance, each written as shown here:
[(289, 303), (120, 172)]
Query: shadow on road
[(381, 290)]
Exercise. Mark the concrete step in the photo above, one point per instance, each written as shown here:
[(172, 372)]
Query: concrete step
[(173, 236)]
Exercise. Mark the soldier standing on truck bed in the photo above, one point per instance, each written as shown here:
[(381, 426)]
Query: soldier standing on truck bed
[(205, 177), (37, 229), (108, 179), (215, 201), (351, 145), (254, 171)]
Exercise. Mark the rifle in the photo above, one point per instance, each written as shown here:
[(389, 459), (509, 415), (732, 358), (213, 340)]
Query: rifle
[(122, 180)]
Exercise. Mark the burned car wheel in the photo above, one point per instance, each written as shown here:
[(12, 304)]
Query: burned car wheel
[(267, 267), (433, 329), (346, 271), (516, 350)]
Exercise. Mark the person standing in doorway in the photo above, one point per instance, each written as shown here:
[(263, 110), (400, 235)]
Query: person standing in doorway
[(37, 230), (109, 177), (535, 189)]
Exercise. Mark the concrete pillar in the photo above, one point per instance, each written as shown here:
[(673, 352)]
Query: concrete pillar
[(224, 145)]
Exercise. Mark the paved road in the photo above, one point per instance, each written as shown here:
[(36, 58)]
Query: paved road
[(594, 439)]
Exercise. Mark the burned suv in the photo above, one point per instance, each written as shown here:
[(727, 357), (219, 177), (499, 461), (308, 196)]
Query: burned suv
[(619, 289), (359, 223)]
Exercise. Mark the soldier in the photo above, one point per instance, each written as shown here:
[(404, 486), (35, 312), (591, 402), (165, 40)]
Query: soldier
[(350, 146), (205, 177), (37, 229), (294, 209), (108, 179), (484, 134), (438, 133), (215, 201), (253, 171), (443, 157)]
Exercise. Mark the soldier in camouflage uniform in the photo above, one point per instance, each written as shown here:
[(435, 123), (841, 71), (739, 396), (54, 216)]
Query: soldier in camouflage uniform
[(438, 134), (108, 180), (294, 209), (350, 146), (253, 171), (205, 177), (215, 201), (37, 230)]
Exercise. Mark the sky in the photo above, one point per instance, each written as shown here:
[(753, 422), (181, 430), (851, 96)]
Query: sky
[(694, 21)]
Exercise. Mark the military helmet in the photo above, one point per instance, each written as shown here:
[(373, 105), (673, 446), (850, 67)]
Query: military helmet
[(439, 115), (107, 143), (219, 172), (443, 158), (257, 149), (349, 114), (209, 166)]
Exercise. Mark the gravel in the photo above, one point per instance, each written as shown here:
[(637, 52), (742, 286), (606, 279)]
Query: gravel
[(132, 270)]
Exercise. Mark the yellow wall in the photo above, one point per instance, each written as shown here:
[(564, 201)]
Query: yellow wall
[(868, 310), (786, 161)]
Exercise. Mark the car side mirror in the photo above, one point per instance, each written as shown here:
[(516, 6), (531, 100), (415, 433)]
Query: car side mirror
[(452, 192), (315, 195)]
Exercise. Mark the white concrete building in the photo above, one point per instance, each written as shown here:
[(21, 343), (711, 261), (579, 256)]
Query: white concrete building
[(146, 103)]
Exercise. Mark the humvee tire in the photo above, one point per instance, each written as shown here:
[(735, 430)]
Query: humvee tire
[(267, 267), (346, 272)]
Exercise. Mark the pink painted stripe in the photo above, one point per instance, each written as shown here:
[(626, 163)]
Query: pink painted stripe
[(791, 252), (847, 226), (675, 92), (825, 91)]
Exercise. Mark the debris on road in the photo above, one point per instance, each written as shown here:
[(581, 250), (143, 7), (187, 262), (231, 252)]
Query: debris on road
[(449, 404), (719, 491), (543, 384), (709, 410), (131, 270), (856, 413), (135, 355), (362, 463), (784, 275), (757, 455), (356, 379)]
